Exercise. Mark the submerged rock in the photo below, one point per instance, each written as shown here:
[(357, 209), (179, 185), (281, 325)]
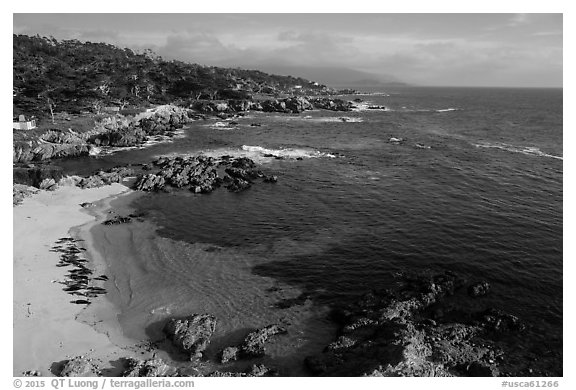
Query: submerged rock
[(479, 289), (117, 220), (257, 370), (191, 334)]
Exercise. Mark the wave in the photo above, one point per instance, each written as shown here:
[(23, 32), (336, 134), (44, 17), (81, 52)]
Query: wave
[(369, 106), (333, 119), (527, 150), (222, 125), (310, 118), (289, 153), (263, 155)]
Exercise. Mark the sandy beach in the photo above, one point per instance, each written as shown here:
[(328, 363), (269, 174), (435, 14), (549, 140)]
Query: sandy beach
[(46, 328)]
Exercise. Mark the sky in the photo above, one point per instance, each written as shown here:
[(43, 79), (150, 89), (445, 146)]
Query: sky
[(517, 50)]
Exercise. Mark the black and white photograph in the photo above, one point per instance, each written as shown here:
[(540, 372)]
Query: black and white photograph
[(276, 194)]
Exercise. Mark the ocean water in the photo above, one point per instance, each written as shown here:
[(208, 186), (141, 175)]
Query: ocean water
[(468, 180)]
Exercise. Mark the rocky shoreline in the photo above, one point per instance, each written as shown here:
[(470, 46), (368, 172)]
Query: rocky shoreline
[(415, 329), (31, 151)]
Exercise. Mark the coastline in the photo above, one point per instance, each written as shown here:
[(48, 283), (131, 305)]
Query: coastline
[(45, 325)]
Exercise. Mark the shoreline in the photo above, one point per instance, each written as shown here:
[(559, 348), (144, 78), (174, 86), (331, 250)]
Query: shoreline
[(46, 329)]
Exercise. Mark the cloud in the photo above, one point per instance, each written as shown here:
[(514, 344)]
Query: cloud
[(430, 49), (519, 19)]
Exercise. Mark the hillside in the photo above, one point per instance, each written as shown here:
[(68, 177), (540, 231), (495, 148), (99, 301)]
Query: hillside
[(51, 76)]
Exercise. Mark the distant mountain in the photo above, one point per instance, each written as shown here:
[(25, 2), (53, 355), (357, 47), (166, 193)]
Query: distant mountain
[(334, 76)]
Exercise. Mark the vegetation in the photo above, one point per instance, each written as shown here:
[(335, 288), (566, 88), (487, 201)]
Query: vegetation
[(52, 76)]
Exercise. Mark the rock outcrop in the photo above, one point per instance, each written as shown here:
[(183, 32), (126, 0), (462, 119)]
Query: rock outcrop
[(35, 174), (326, 103), (408, 332), (101, 178), (253, 346), (289, 105), (79, 367), (201, 174), (479, 289), (118, 131), (33, 150), (149, 368), (21, 191), (191, 334)]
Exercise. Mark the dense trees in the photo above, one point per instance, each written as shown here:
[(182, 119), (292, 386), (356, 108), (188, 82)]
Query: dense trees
[(69, 75)]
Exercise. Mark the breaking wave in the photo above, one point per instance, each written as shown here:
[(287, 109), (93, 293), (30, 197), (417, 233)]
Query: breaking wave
[(527, 150), (263, 155)]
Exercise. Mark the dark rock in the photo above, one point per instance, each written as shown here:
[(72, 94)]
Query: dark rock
[(149, 368), (79, 366), (479, 289), (271, 179), (476, 369), (390, 333), (257, 370), (31, 373), (102, 178), (150, 182), (81, 302), (35, 174), (238, 185), (254, 343), (117, 220), (331, 104), (500, 322), (191, 334)]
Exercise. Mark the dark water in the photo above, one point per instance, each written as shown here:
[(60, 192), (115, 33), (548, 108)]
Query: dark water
[(475, 187)]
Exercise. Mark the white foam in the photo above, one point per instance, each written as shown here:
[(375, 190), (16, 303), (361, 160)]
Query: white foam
[(263, 155), (310, 118), (365, 106), (448, 109), (527, 150), (221, 125)]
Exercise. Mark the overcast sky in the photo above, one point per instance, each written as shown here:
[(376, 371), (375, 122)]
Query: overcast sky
[(523, 50)]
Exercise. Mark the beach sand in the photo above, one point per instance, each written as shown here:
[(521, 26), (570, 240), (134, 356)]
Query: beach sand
[(46, 329)]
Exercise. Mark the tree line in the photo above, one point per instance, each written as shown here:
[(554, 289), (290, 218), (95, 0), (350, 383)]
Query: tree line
[(69, 75)]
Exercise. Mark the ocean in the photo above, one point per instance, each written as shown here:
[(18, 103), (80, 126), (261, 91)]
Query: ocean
[(461, 179)]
